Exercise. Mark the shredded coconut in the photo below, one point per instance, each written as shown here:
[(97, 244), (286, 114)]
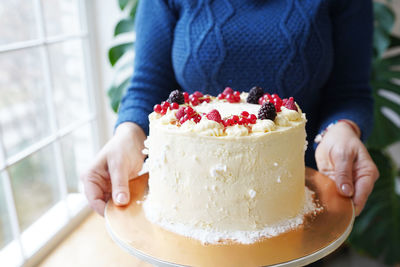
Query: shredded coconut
[(252, 193), (211, 236)]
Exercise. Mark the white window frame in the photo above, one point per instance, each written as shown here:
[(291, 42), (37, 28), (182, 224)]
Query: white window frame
[(30, 246)]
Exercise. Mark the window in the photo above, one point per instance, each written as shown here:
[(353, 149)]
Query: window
[(48, 122)]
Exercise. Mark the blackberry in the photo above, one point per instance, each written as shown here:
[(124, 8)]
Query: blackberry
[(255, 93), (267, 112), (176, 97)]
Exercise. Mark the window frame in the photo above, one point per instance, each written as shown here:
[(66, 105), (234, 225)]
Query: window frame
[(73, 206)]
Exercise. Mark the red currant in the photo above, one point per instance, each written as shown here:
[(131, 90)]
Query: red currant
[(244, 114), (186, 96), (175, 105), (157, 108)]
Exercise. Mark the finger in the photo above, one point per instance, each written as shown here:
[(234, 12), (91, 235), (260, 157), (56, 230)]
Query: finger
[(366, 173), (343, 162), (363, 188), (94, 192), (119, 182)]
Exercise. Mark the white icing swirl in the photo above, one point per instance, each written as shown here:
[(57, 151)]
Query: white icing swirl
[(291, 115), (281, 120), (263, 126), (208, 127), (169, 117), (237, 130)]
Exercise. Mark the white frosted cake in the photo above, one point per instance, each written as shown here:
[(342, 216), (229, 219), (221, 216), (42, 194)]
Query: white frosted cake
[(227, 167)]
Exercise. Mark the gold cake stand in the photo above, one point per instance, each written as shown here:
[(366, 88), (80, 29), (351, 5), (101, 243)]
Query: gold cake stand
[(319, 236)]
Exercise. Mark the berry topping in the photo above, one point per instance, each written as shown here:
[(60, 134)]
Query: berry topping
[(255, 93), (289, 104), (180, 113), (174, 105), (230, 95), (198, 94), (244, 114), (186, 97), (252, 118), (227, 91), (176, 97), (157, 108), (214, 115), (267, 112)]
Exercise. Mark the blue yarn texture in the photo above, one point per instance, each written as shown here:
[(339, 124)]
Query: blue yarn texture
[(318, 51)]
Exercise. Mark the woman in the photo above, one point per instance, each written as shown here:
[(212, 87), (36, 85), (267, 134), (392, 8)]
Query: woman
[(317, 51)]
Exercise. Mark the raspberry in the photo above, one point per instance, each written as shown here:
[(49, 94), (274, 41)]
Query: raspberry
[(254, 94), (180, 113), (267, 112), (198, 94), (157, 108), (290, 104), (214, 115), (176, 97), (227, 91)]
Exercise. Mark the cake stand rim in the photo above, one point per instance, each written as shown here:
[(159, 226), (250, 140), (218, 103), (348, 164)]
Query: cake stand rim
[(307, 259)]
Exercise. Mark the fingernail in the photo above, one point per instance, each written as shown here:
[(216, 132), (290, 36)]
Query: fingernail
[(122, 198), (347, 190)]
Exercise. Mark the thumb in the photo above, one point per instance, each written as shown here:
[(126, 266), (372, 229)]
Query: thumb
[(120, 184), (343, 173)]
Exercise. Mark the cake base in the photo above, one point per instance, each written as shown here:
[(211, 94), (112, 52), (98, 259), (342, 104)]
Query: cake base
[(318, 237)]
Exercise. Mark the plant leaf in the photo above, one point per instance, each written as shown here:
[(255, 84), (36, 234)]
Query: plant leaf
[(116, 92), (123, 3), (381, 41), (116, 52), (132, 13), (377, 230), (384, 17), (124, 26), (394, 41)]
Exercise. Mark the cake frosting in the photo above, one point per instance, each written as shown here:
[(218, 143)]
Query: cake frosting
[(218, 171)]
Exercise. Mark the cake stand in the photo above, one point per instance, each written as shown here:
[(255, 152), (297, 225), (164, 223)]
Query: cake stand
[(319, 236)]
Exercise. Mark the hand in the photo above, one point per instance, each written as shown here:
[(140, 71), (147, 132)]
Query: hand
[(120, 159), (343, 157)]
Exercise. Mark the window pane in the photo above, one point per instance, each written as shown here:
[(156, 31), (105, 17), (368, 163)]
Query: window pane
[(17, 21), (35, 185), (70, 92), (77, 150), (23, 112), (61, 16), (5, 223)]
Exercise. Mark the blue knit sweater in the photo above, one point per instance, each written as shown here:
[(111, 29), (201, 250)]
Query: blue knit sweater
[(318, 51)]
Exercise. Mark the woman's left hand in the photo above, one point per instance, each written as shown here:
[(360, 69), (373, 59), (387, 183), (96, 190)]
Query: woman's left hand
[(343, 157)]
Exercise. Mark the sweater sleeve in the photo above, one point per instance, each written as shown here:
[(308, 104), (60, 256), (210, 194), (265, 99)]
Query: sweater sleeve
[(153, 75), (347, 93)]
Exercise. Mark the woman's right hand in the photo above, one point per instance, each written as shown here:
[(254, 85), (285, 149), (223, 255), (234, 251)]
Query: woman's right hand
[(120, 159)]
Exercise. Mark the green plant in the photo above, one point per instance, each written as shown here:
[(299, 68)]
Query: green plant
[(377, 230), (116, 53)]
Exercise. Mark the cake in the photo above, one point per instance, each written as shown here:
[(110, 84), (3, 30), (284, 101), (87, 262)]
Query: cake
[(229, 167)]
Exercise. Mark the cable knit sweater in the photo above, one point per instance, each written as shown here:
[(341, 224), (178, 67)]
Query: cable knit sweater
[(317, 51)]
